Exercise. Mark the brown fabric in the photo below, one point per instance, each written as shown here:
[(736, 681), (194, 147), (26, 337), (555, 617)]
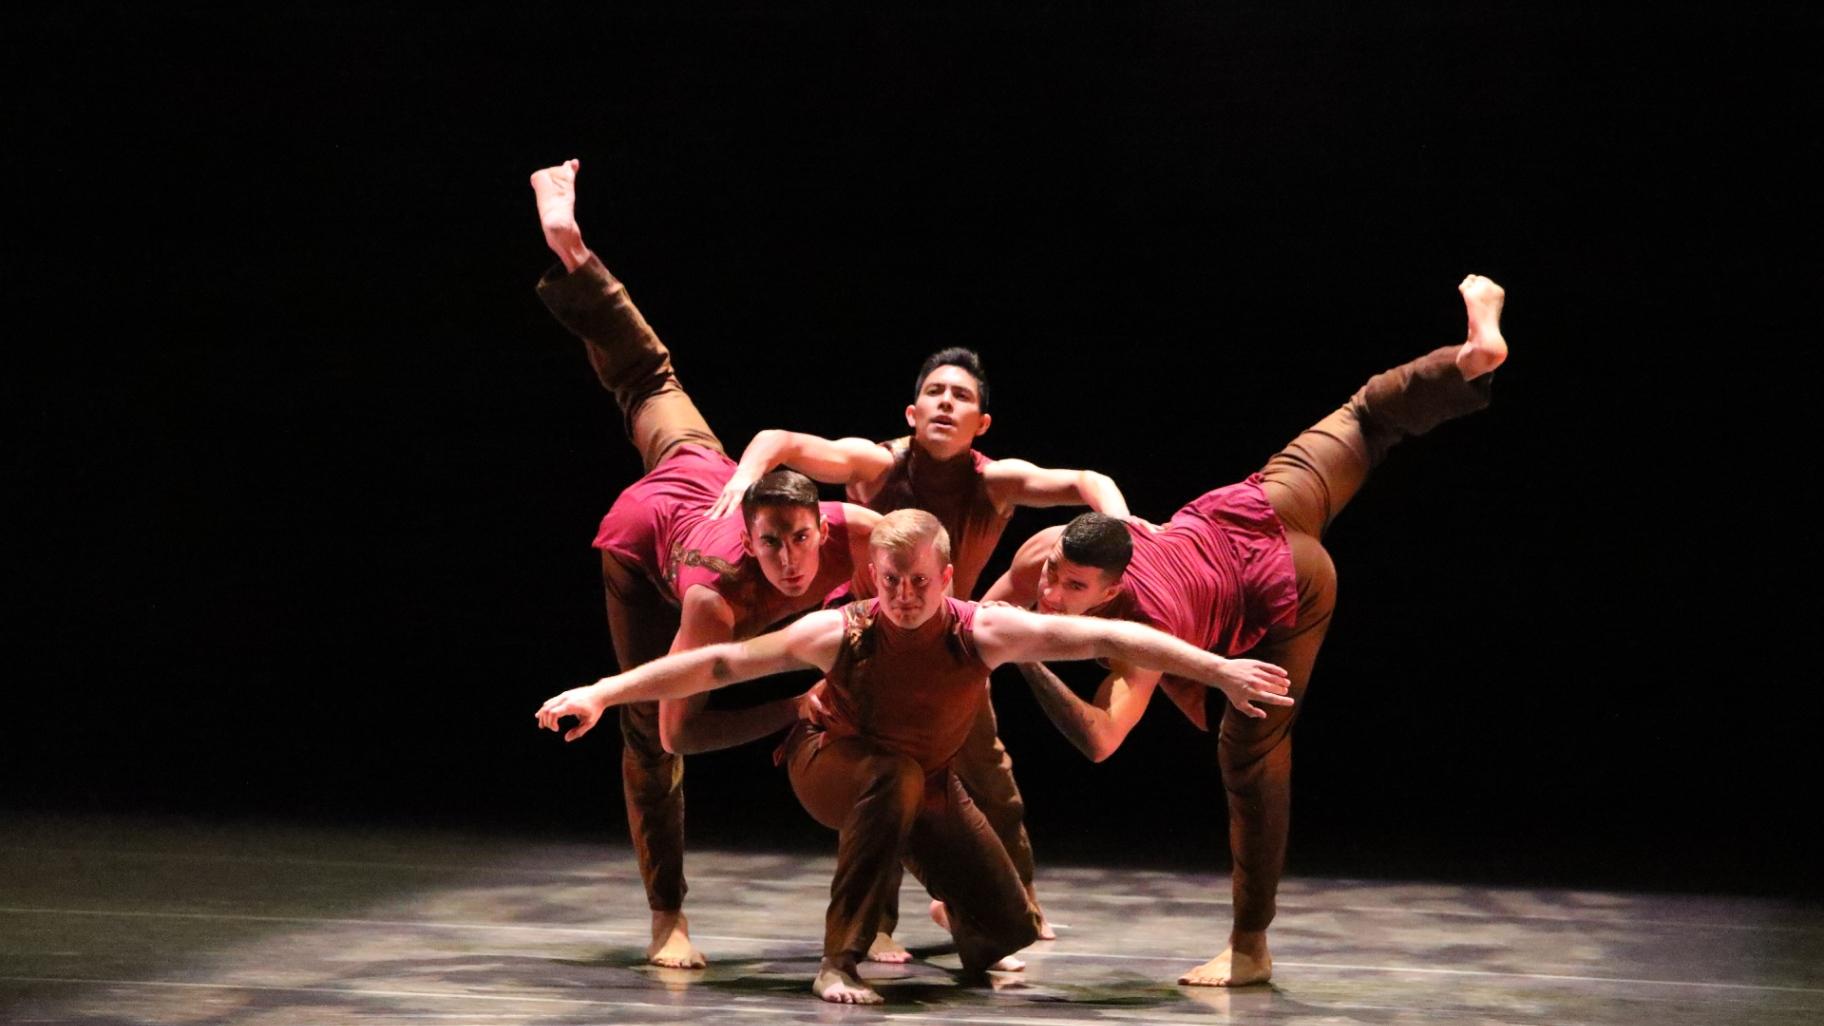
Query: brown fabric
[(885, 808), (914, 692), (642, 625), (629, 360), (635, 367), (1309, 482), (956, 493)]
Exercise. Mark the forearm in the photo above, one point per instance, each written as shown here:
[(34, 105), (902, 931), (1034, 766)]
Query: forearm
[(766, 451), (1100, 493), (1142, 646), (1090, 729), (673, 677), (707, 730)]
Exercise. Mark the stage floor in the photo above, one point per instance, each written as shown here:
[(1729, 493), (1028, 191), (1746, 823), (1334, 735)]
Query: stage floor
[(162, 921)]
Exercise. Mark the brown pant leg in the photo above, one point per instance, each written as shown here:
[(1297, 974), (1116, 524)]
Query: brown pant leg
[(652, 779), (986, 771), (870, 796), (1312, 479), (629, 360), (1309, 482), (962, 863), (1256, 754)]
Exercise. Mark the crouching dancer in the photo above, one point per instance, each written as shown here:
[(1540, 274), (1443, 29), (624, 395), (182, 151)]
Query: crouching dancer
[(905, 675)]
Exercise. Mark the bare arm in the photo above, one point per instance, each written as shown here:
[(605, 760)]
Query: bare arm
[(1019, 483), (688, 725), (1007, 635), (840, 461), (811, 642), (1096, 727), (1020, 584)]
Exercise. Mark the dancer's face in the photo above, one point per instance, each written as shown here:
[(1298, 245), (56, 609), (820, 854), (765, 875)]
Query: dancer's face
[(1066, 587), (911, 585), (787, 542), (947, 415)]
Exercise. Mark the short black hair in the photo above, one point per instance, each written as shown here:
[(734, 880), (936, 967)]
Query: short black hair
[(782, 487), (1101, 541), (956, 356)]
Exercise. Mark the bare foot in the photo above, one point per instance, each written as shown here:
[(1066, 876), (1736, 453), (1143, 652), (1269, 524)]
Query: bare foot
[(940, 914), (839, 986), (1045, 930), (671, 947), (1485, 349), (555, 188), (1246, 960), (886, 949)]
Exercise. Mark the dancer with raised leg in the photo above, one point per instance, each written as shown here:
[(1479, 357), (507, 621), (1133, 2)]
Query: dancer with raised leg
[(676, 578), (1243, 569)]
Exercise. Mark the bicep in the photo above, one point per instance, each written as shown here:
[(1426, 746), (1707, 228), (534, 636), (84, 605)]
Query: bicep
[(1019, 483), (839, 460)]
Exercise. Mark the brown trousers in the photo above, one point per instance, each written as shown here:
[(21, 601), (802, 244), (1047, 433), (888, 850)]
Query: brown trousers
[(886, 810), (635, 367), (986, 771), (1309, 482)]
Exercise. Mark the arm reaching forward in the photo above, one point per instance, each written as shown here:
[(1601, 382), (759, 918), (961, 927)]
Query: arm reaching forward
[(1007, 635), (842, 461), (810, 642)]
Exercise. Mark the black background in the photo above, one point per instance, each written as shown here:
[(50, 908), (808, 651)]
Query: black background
[(306, 476)]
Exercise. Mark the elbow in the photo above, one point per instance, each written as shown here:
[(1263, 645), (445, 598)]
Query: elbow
[(681, 741), (1099, 749)]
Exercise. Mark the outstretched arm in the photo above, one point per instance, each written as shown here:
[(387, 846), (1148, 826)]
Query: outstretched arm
[(687, 725), (1007, 635), (1099, 726), (811, 642), (840, 461), (1019, 483)]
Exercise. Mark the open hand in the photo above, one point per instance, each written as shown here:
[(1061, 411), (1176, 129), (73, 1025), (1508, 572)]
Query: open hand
[(1246, 681), (730, 499), (584, 703)]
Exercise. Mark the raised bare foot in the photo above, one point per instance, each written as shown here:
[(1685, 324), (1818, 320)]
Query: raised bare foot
[(555, 188), (1485, 349), (671, 945), (840, 986), (940, 914), (886, 949), (1237, 966)]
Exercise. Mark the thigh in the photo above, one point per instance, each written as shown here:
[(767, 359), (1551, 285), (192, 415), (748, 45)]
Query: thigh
[(1295, 648)]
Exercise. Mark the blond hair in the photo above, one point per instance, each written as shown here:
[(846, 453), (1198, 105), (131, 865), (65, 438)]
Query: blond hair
[(904, 530)]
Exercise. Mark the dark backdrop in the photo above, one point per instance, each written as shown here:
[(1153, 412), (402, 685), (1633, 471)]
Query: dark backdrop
[(305, 475)]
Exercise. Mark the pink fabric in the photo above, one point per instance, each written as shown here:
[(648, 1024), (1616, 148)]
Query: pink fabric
[(1218, 576), (659, 524)]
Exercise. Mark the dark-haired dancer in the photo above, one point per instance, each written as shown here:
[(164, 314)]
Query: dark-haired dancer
[(904, 675), (675, 577), (1243, 569), (937, 469)]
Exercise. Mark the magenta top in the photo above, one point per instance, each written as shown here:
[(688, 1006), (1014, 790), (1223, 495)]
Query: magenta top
[(660, 525), (1218, 576)]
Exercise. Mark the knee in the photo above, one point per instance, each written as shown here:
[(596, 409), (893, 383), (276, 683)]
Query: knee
[(892, 780)]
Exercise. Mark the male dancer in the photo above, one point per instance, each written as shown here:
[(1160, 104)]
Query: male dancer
[(936, 469), (1240, 567), (676, 578), (904, 674)]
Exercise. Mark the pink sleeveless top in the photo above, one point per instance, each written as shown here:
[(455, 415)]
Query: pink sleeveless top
[(659, 525), (1218, 576)]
